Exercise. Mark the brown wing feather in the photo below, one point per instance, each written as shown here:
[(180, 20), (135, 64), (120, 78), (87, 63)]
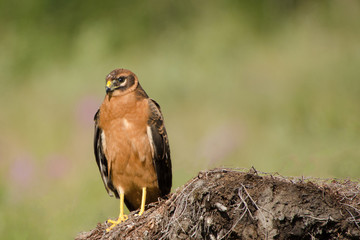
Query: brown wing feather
[(101, 159), (160, 144)]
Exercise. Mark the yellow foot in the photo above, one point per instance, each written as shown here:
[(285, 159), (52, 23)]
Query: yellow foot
[(114, 223), (140, 213), (143, 200)]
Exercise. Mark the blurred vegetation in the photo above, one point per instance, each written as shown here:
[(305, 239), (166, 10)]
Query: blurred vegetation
[(273, 85)]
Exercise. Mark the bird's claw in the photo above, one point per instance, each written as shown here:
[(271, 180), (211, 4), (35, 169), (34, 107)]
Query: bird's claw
[(118, 221)]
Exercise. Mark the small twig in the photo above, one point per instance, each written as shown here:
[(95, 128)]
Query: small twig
[(353, 218)]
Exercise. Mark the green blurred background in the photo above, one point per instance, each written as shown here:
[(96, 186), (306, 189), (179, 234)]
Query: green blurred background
[(274, 85)]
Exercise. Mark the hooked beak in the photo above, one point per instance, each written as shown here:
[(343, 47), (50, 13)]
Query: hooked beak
[(109, 86)]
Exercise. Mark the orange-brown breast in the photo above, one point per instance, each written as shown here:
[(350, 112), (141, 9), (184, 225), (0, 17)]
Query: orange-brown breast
[(127, 148)]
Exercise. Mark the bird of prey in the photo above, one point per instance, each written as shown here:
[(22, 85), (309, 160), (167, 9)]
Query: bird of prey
[(131, 144)]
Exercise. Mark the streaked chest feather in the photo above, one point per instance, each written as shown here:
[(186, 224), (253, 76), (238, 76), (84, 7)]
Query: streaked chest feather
[(126, 123), (125, 130)]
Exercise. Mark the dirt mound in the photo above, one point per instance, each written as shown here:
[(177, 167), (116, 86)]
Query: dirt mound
[(230, 204)]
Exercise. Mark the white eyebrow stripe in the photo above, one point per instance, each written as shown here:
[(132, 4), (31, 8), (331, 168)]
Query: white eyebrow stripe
[(123, 83)]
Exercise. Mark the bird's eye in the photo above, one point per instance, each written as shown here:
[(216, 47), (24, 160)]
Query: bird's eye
[(122, 81)]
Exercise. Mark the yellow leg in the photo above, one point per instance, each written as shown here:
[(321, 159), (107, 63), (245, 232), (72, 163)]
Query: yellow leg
[(122, 217), (143, 201)]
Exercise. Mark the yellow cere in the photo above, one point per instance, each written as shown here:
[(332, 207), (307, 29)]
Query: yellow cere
[(108, 84)]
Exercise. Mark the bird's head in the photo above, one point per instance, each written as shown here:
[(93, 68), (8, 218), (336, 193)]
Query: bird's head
[(120, 81)]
